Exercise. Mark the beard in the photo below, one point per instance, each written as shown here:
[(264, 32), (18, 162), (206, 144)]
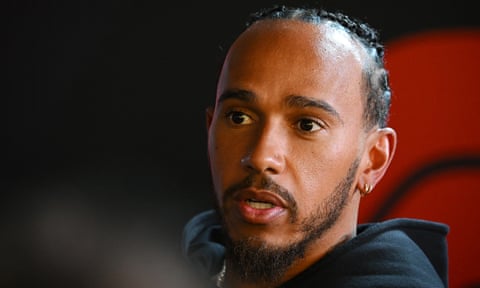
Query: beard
[(255, 261)]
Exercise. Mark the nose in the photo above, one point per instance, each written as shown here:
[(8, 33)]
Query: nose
[(267, 154)]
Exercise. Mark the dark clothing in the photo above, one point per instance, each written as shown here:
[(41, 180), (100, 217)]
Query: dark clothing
[(394, 253)]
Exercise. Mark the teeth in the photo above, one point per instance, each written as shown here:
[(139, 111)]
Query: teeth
[(259, 205)]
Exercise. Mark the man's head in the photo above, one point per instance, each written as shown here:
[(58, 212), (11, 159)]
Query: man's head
[(297, 133)]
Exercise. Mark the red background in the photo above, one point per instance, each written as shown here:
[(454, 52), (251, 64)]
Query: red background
[(436, 113)]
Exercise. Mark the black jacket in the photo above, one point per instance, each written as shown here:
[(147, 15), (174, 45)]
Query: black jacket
[(394, 253)]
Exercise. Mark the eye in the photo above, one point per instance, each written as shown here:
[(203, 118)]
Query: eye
[(309, 125), (238, 118)]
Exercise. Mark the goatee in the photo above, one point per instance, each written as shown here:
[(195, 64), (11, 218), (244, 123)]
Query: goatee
[(255, 261)]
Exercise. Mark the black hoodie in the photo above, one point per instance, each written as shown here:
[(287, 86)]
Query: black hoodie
[(394, 253)]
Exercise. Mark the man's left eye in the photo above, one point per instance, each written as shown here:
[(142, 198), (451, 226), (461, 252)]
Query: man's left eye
[(309, 125)]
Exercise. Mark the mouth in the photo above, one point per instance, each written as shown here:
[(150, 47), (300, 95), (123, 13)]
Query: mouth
[(259, 204), (259, 207)]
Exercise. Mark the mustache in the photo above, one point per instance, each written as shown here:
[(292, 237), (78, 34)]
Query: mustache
[(264, 183)]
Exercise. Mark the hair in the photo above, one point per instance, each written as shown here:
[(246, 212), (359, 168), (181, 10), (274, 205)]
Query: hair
[(378, 93)]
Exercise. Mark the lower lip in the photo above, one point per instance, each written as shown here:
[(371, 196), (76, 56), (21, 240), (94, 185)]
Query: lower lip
[(259, 216)]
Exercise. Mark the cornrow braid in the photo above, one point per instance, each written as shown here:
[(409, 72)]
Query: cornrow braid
[(378, 94), (365, 33)]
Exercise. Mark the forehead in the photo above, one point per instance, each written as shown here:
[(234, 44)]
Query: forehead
[(298, 39), (285, 57)]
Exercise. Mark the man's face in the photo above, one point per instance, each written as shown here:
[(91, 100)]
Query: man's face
[(287, 133)]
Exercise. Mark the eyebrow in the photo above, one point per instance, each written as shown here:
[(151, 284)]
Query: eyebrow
[(295, 101), (243, 95), (303, 101)]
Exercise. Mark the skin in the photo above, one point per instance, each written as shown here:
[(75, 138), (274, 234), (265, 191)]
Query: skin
[(289, 107)]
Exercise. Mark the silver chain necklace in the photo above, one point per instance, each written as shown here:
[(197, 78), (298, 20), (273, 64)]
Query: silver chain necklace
[(220, 277)]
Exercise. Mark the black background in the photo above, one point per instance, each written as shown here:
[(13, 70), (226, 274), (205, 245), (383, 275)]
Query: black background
[(105, 108)]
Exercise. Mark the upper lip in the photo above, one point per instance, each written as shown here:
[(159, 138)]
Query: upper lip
[(260, 195)]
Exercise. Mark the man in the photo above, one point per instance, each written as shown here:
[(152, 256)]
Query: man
[(297, 136)]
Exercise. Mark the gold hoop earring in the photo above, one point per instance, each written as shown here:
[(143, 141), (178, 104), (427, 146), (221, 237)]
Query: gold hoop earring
[(366, 189)]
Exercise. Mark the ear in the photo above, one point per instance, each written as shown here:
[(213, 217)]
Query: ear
[(209, 116), (380, 148)]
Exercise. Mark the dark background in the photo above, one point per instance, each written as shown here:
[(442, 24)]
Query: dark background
[(105, 132)]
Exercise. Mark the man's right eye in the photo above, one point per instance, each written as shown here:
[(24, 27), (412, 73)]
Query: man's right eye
[(238, 118)]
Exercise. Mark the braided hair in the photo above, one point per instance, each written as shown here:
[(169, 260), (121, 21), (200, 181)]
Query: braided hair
[(378, 93)]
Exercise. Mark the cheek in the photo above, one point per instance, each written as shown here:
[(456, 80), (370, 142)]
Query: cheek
[(224, 159), (222, 150), (316, 161), (318, 172), (311, 172)]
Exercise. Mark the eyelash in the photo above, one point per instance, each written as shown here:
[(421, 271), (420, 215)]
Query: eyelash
[(320, 125), (232, 113), (298, 124)]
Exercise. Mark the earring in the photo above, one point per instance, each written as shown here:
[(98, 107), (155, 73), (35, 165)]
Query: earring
[(366, 189)]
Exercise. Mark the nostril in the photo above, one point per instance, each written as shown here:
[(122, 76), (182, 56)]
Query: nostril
[(269, 170)]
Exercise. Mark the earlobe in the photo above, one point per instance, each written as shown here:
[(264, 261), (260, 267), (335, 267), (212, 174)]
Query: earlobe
[(379, 153)]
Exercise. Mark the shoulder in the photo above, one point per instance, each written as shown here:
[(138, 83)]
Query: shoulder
[(394, 253), (405, 224)]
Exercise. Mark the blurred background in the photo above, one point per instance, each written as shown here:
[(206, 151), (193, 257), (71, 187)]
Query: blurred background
[(104, 146)]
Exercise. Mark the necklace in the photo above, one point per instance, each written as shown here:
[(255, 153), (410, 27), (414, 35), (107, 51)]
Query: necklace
[(220, 277)]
